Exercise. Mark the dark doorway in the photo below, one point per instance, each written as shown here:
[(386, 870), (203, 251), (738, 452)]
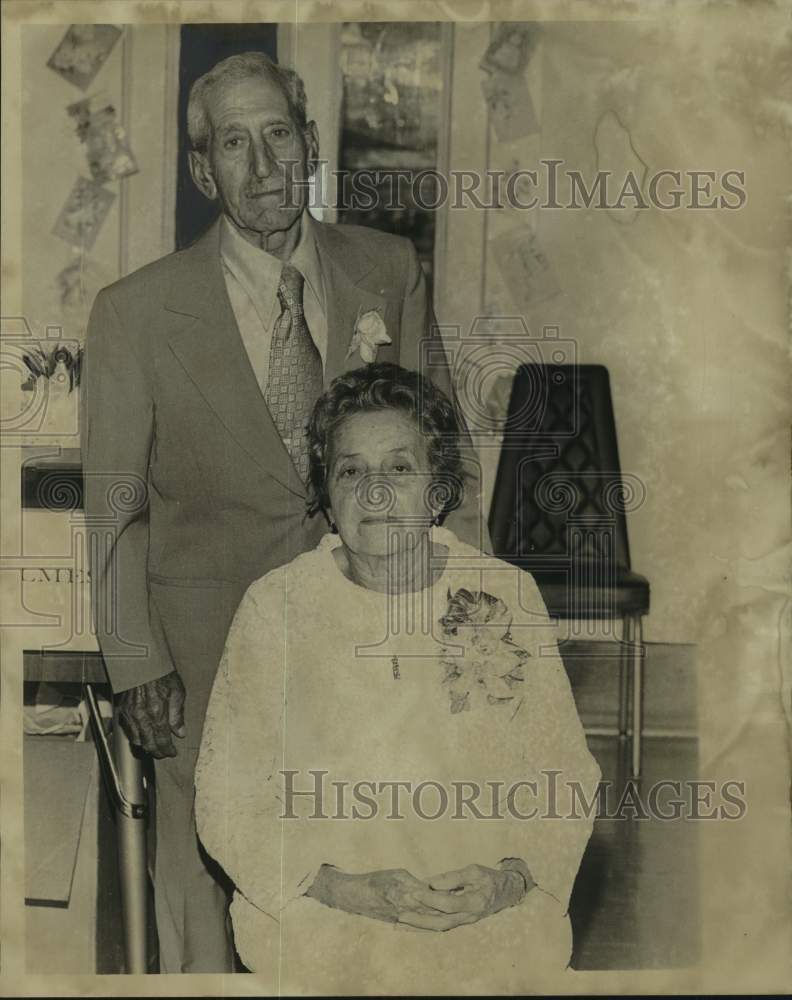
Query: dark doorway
[(202, 46)]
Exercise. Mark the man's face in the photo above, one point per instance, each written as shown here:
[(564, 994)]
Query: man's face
[(256, 163)]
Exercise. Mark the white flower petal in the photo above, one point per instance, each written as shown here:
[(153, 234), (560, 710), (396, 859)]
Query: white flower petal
[(369, 335), (370, 323)]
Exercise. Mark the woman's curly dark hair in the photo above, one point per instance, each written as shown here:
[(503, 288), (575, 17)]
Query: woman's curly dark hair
[(387, 386)]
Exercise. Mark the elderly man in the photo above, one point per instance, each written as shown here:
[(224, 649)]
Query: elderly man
[(201, 371)]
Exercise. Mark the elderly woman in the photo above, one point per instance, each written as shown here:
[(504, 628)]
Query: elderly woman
[(393, 772)]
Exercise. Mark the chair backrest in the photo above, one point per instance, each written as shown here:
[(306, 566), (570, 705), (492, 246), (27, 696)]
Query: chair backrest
[(559, 493)]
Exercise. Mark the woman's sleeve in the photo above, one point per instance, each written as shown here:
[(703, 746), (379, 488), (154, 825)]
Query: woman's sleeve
[(550, 745), (237, 781)]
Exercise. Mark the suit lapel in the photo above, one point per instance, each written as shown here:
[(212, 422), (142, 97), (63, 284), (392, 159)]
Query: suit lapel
[(344, 266), (205, 339)]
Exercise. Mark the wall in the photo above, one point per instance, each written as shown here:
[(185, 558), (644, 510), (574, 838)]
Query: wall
[(138, 80), (684, 307), (312, 49)]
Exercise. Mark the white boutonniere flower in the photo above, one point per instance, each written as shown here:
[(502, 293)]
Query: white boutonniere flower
[(370, 334)]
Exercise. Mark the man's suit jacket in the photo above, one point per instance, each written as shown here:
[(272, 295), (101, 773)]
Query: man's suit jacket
[(171, 407)]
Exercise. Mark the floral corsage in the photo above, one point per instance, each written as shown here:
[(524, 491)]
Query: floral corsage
[(370, 334), (491, 668)]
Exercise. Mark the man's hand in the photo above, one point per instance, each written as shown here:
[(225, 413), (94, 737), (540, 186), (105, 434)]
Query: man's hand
[(151, 712)]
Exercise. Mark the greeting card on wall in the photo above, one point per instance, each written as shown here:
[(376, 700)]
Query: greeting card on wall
[(83, 51), (510, 106), (82, 216), (105, 141), (511, 48), (525, 268)]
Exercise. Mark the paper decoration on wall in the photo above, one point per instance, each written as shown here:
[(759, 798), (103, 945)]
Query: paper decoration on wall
[(82, 216), (109, 155), (41, 401), (83, 51), (72, 285), (78, 284), (510, 106), (524, 267), (60, 366), (511, 48), (617, 154)]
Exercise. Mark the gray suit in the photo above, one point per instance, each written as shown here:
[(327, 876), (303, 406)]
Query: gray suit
[(172, 407)]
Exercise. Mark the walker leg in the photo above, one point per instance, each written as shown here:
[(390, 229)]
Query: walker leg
[(132, 853)]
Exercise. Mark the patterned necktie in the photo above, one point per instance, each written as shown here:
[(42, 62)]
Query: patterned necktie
[(295, 370)]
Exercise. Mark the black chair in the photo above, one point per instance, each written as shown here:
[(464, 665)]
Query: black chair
[(559, 510)]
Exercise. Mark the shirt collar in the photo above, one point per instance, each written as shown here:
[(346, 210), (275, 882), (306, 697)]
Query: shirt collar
[(251, 264)]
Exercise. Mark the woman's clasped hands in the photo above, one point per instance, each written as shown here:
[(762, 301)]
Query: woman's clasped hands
[(439, 903)]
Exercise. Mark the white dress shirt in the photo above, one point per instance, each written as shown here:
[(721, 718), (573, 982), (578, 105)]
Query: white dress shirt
[(252, 276)]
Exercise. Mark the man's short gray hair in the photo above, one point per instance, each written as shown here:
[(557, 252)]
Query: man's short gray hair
[(232, 70)]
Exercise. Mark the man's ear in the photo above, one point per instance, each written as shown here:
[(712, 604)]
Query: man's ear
[(311, 134), (201, 172)]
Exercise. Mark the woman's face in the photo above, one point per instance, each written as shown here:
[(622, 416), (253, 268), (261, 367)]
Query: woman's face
[(379, 480)]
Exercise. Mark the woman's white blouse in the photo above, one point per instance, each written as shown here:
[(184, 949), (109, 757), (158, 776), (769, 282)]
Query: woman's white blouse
[(307, 700)]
